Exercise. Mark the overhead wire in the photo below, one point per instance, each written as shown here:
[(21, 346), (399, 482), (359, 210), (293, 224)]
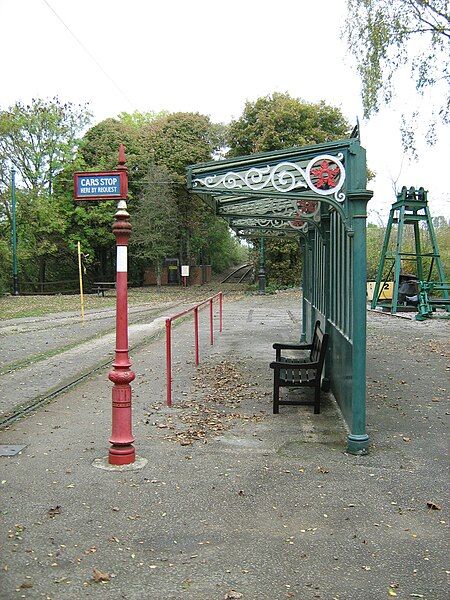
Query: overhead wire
[(89, 53)]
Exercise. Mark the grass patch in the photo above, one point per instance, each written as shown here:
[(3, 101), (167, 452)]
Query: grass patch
[(12, 307)]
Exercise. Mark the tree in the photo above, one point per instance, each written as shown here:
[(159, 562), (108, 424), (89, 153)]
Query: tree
[(180, 139), (275, 122), (155, 221), (283, 262), (41, 227), (385, 35), (39, 138), (278, 121), (157, 145), (100, 144), (375, 237), (140, 120), (91, 222), (176, 141), (5, 263), (213, 241), (171, 141)]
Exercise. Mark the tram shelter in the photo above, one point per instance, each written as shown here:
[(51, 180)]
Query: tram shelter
[(318, 194)]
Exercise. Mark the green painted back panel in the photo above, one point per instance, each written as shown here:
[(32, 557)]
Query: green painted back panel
[(341, 365), (328, 293)]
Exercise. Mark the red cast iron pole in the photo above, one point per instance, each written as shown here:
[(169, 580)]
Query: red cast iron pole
[(197, 353), (169, 361), (122, 451), (211, 322)]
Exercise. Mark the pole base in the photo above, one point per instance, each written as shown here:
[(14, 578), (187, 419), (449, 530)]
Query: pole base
[(120, 455), (104, 464), (261, 285), (358, 444)]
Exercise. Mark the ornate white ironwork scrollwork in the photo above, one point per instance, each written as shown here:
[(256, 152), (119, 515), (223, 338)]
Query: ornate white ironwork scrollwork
[(272, 223), (324, 174), (282, 207)]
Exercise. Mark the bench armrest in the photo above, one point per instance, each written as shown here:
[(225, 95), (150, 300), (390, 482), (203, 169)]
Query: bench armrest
[(291, 365), (292, 346)]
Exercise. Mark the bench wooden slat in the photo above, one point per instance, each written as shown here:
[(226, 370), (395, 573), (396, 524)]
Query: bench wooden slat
[(299, 376)]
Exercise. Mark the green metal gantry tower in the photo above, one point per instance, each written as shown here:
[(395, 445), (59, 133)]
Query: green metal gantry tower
[(411, 208)]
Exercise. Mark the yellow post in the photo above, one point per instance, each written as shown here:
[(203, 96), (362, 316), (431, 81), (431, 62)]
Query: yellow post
[(80, 273)]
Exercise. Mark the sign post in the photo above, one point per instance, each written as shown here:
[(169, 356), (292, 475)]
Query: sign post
[(122, 451), (107, 186), (184, 274), (262, 268)]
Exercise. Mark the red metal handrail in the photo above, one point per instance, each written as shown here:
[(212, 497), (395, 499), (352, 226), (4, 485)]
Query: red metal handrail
[(193, 309)]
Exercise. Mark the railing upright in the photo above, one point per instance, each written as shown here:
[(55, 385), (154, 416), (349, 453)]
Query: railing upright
[(197, 353), (211, 322), (195, 310), (169, 361)]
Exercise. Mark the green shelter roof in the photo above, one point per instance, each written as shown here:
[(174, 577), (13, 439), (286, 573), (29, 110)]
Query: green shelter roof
[(284, 190)]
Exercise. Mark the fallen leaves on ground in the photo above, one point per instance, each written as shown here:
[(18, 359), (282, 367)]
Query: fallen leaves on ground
[(219, 390), (26, 585), (99, 577), (322, 470), (52, 512), (391, 589)]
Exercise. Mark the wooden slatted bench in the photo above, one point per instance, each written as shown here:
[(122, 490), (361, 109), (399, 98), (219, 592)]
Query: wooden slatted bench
[(292, 372), (103, 286)]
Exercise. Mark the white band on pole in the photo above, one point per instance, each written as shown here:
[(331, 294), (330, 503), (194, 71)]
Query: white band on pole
[(122, 259)]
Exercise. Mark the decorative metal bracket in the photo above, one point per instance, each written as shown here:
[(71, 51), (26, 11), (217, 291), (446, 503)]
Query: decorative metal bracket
[(324, 175)]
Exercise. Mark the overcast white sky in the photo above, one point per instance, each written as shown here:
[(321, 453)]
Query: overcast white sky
[(206, 56)]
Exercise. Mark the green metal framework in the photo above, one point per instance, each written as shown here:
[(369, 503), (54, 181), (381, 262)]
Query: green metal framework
[(318, 194), (411, 208)]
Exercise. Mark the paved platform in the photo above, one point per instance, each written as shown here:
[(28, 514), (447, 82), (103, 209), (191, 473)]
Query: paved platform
[(235, 502)]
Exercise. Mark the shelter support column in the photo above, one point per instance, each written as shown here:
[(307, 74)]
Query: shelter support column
[(326, 226), (312, 283), (303, 283), (262, 268), (358, 440)]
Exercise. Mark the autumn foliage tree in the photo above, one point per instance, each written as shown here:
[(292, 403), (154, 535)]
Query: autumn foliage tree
[(38, 140), (159, 147), (275, 122)]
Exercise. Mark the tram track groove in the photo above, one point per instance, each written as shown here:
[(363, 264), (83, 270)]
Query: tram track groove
[(74, 320), (23, 410), (34, 359), (29, 407)]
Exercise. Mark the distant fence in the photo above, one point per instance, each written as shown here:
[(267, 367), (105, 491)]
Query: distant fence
[(33, 288)]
